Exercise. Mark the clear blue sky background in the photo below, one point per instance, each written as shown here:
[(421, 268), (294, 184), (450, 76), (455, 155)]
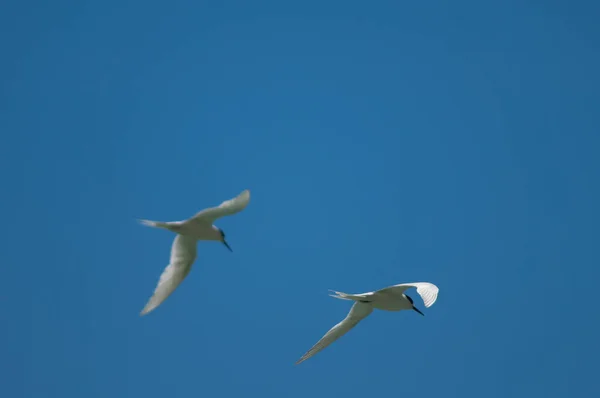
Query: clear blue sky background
[(389, 142)]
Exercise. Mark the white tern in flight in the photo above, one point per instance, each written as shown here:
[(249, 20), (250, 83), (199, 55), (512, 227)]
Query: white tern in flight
[(183, 249), (389, 299)]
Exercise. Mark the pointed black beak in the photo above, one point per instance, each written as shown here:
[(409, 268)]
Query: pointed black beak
[(416, 309), (227, 245)]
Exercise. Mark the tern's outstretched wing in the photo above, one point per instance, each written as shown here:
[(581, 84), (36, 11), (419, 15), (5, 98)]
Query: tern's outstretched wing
[(357, 313), (427, 291), (183, 254), (226, 208)]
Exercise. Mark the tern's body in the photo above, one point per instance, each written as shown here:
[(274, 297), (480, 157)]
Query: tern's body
[(388, 299), (183, 249), (194, 229)]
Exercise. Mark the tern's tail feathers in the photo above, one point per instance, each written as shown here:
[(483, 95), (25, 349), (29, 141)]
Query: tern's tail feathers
[(155, 224), (346, 296)]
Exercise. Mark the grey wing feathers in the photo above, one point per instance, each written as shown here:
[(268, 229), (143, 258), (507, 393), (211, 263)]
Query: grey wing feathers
[(183, 254), (227, 208), (358, 312), (427, 291)]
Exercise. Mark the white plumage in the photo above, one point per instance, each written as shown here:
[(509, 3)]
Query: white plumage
[(391, 298), (183, 249)]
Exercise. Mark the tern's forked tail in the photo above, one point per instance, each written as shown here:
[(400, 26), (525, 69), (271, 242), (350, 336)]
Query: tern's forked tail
[(155, 224), (346, 296)]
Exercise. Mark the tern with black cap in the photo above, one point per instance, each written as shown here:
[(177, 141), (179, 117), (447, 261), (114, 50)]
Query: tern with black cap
[(391, 298), (183, 249)]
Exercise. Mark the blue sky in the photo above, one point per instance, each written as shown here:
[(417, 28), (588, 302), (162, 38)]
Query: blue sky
[(450, 142)]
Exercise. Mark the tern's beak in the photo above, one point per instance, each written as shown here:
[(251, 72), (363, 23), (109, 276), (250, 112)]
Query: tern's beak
[(416, 309), (227, 245)]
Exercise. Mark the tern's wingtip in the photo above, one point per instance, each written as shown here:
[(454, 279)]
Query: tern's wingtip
[(146, 310)]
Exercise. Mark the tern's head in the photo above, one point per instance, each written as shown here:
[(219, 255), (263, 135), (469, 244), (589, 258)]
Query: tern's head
[(223, 239), (413, 304)]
